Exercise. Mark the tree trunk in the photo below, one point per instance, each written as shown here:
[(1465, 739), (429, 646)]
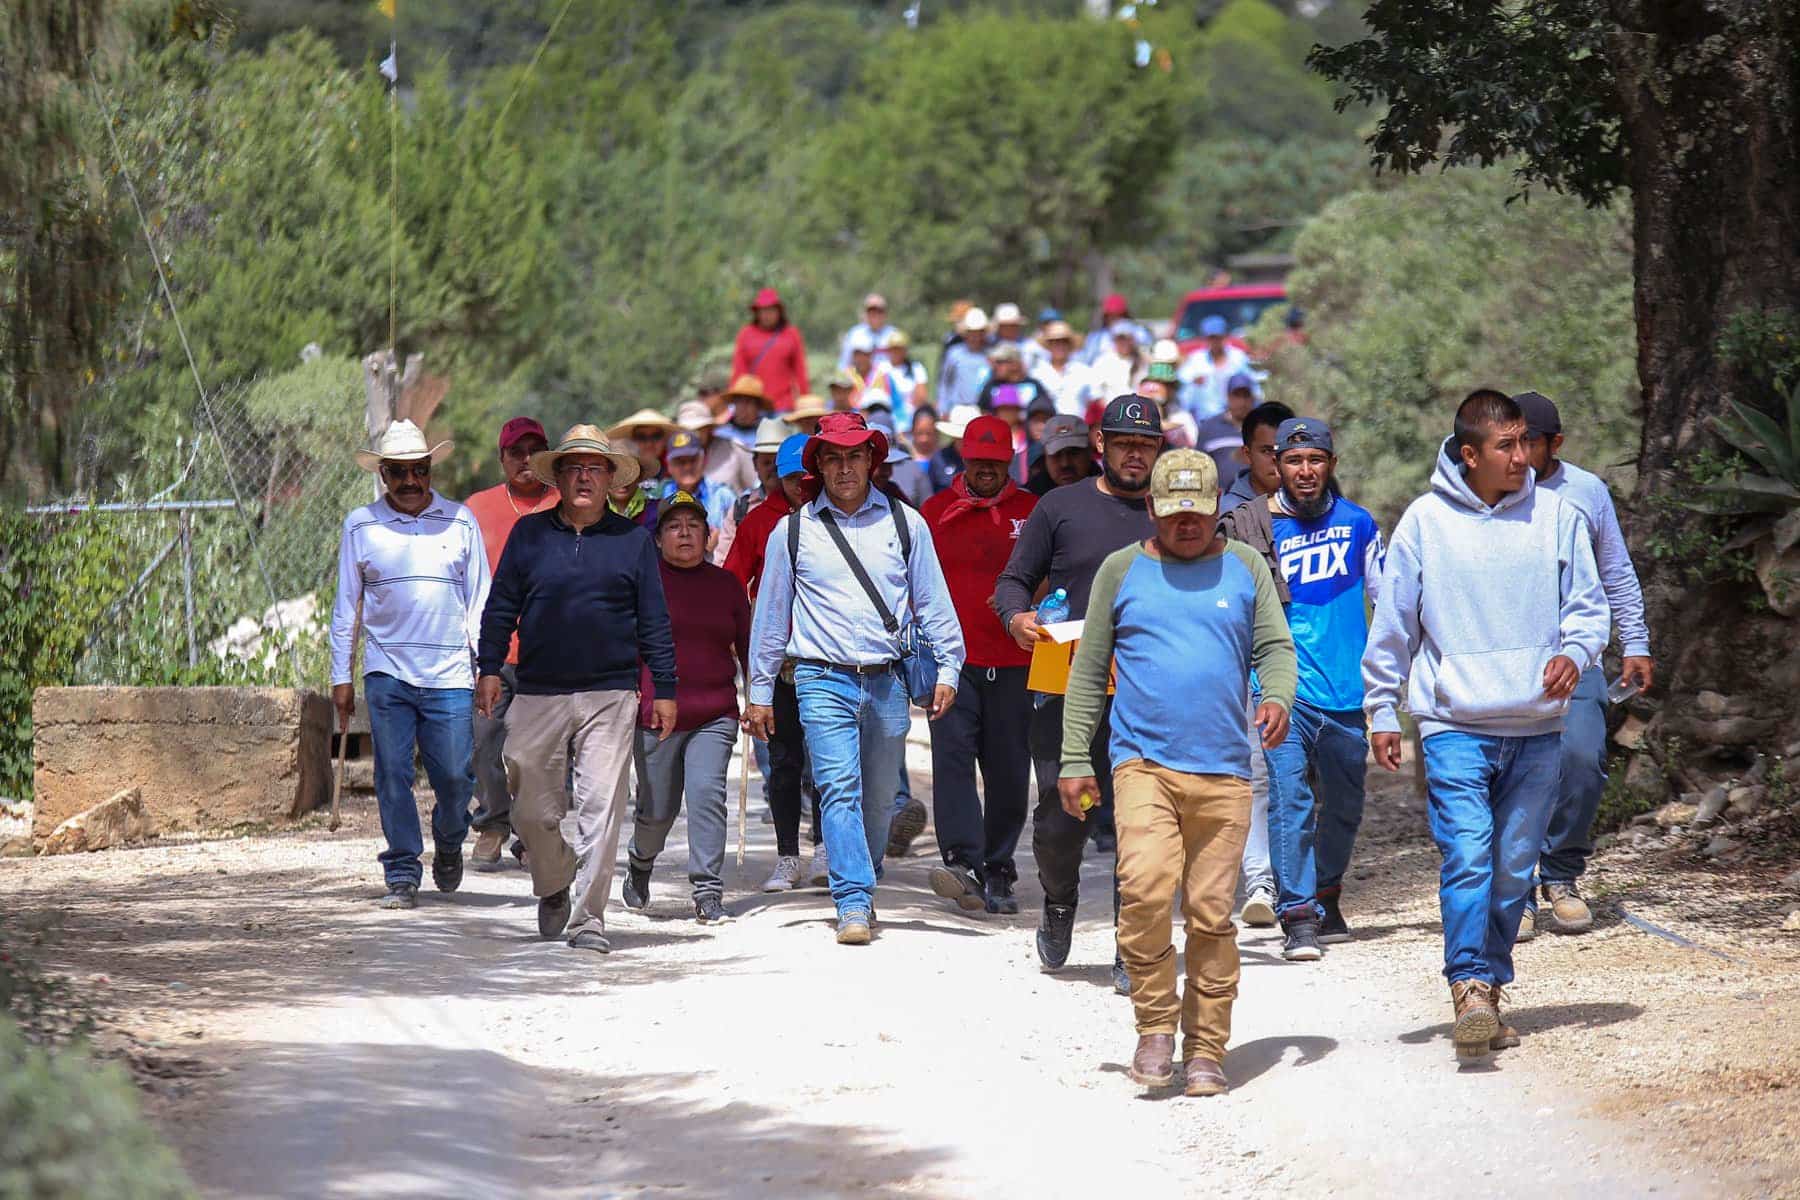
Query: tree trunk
[(1710, 96)]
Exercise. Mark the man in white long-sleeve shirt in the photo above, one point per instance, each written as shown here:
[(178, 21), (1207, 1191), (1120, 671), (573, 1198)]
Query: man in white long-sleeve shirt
[(1569, 840), (1490, 610), (415, 564)]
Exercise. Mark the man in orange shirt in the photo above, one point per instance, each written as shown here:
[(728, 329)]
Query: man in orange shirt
[(497, 510)]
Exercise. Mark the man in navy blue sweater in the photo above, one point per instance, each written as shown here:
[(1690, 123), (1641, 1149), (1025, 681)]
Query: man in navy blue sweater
[(581, 586)]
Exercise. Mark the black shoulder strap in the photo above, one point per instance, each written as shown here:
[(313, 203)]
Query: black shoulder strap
[(900, 528), (856, 568)]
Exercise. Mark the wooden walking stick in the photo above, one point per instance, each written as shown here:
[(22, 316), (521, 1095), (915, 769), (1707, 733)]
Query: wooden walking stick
[(743, 798), (337, 781)]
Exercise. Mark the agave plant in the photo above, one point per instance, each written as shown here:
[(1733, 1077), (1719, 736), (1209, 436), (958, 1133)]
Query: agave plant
[(1770, 499)]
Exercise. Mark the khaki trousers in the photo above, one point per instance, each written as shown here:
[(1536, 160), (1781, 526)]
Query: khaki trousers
[(571, 845), (1180, 831)]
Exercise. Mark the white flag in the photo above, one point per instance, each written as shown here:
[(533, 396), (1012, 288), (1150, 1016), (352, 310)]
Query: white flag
[(390, 66)]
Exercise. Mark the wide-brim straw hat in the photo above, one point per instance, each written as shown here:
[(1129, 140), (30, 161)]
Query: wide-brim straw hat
[(771, 433), (401, 441), (639, 419), (586, 439), (952, 424), (694, 416), (808, 405), (750, 387)]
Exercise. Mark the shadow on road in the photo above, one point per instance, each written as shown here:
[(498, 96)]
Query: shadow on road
[(1540, 1018)]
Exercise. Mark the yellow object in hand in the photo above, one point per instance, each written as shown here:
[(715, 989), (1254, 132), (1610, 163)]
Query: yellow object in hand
[(1089, 800)]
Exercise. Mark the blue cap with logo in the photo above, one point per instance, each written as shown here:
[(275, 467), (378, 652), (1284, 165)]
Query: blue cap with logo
[(791, 458), (1302, 433)]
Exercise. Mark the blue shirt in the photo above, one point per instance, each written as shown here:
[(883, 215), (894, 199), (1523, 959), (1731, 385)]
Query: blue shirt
[(715, 498), (1329, 564), (821, 612)]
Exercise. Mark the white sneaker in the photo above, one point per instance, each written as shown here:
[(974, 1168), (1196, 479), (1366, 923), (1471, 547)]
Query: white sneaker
[(1259, 908), (818, 874), (786, 874)]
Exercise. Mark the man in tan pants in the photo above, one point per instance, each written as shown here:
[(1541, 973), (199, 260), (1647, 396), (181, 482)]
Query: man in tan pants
[(1183, 617), (582, 588)]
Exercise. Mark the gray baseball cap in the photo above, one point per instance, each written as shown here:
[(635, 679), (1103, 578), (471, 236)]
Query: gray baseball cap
[(1065, 433)]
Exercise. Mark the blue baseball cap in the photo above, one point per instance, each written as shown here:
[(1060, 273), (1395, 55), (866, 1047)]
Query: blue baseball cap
[(1214, 327), (1302, 433), (1048, 315), (790, 459), (1243, 381)]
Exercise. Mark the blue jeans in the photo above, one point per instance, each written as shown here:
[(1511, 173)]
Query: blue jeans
[(903, 796), (855, 730), (1583, 778), (440, 721), (1310, 838), (1490, 800)]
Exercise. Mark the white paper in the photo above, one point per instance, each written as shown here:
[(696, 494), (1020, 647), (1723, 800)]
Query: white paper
[(1063, 632)]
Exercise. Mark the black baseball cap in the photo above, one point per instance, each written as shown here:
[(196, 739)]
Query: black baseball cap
[(1541, 417), (1132, 414)]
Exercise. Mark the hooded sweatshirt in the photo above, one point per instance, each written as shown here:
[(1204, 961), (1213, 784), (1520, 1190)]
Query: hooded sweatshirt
[(1475, 602)]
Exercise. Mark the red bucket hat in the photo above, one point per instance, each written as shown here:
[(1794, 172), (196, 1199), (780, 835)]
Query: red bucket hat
[(989, 438), (844, 429), (767, 298)]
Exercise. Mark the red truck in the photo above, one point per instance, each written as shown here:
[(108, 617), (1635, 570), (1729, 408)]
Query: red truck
[(1240, 305)]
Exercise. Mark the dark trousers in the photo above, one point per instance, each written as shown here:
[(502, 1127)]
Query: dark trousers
[(787, 769), (989, 725), (1057, 839), (493, 791)]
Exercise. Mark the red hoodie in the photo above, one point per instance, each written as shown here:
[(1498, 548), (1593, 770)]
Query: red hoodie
[(974, 538), (775, 356)]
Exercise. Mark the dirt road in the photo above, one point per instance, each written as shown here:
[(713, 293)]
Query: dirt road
[(331, 1049)]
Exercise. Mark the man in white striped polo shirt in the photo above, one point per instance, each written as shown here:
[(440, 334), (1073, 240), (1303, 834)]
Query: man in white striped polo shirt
[(412, 570)]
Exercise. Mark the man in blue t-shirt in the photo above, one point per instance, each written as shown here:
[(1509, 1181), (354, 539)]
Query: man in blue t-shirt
[(1331, 555)]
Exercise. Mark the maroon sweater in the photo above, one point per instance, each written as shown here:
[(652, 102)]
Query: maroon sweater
[(710, 616)]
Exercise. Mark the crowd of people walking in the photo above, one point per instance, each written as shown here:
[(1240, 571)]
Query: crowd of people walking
[(568, 647)]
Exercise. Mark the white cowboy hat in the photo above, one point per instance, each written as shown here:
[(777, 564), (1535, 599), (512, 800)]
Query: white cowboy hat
[(401, 441), (953, 425), (641, 419), (585, 439)]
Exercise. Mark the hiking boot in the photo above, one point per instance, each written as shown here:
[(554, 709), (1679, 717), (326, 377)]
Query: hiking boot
[(447, 869), (785, 876), (1205, 1078), (999, 895), (1508, 1037), (908, 824), (1259, 908), (1300, 940), (853, 928), (1477, 1020), (635, 891), (710, 910), (1153, 1062), (591, 939), (1332, 928), (1571, 912), (553, 914), (1121, 978), (489, 845), (1527, 924), (958, 885), (1056, 931), (401, 895), (818, 872)]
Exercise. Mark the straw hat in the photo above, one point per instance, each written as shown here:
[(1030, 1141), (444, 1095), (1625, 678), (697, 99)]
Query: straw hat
[(808, 405), (585, 439), (401, 441), (639, 419), (952, 426), (1056, 331), (748, 386), (770, 434), (693, 415)]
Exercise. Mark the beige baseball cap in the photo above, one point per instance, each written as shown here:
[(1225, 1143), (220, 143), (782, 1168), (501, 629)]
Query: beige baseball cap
[(1184, 481)]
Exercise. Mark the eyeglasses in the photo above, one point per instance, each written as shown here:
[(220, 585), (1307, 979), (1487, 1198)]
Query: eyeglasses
[(586, 470), (418, 470)]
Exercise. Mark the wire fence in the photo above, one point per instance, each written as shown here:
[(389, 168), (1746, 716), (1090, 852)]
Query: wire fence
[(225, 573)]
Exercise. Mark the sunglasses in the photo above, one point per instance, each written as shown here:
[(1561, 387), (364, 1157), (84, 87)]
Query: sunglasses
[(418, 470)]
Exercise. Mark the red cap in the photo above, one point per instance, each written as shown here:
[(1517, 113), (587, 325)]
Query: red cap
[(520, 427), (767, 298), (1114, 305), (988, 438), (844, 429)]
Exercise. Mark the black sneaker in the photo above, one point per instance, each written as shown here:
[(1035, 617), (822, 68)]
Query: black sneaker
[(1332, 928), (1055, 934), (635, 891), (710, 910), (999, 895), (1301, 943), (1121, 979), (553, 914), (958, 885), (401, 895), (447, 869)]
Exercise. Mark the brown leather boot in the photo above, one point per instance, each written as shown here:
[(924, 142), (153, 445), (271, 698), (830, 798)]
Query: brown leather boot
[(1508, 1037), (1205, 1078), (1153, 1062), (1477, 1020)]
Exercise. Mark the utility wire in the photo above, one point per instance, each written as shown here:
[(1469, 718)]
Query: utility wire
[(519, 86)]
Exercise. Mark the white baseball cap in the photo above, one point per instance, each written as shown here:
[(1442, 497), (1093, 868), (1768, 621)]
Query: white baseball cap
[(1008, 314), (974, 321)]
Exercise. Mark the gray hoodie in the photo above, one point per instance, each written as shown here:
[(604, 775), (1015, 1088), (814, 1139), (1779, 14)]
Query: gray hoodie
[(1475, 602)]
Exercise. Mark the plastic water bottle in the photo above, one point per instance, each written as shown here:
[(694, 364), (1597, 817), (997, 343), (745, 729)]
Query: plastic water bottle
[(1054, 607)]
